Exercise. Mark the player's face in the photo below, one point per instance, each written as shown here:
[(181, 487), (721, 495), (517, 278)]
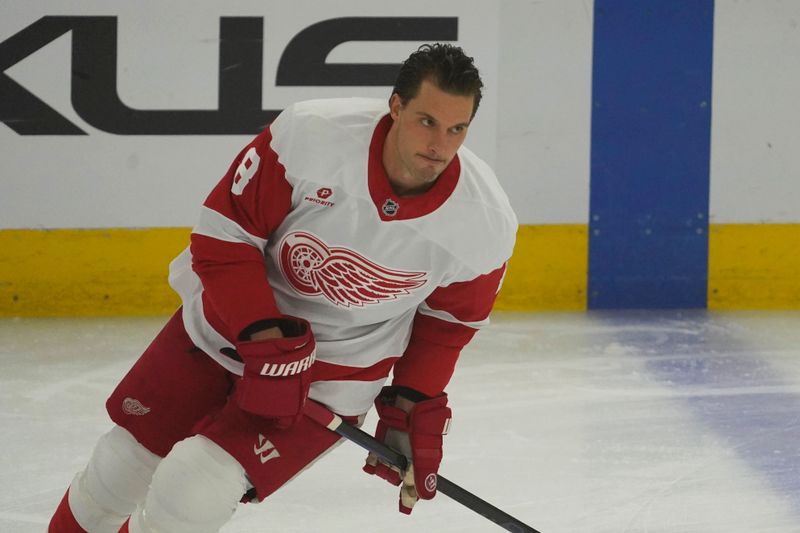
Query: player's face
[(426, 133)]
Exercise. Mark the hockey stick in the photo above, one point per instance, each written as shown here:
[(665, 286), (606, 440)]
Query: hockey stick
[(324, 417)]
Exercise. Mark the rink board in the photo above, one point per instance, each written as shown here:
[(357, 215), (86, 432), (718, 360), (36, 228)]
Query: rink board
[(101, 272), (598, 132)]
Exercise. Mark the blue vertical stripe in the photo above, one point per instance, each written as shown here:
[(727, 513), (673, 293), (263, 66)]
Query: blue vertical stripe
[(651, 136)]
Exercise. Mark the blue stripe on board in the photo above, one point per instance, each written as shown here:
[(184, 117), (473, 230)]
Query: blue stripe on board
[(651, 136)]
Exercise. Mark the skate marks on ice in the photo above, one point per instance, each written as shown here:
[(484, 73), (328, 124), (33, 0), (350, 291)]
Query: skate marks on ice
[(601, 422)]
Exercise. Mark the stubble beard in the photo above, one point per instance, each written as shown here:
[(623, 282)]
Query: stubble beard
[(427, 175), (422, 175)]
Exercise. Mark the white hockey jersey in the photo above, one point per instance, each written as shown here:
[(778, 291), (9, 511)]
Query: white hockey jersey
[(305, 224)]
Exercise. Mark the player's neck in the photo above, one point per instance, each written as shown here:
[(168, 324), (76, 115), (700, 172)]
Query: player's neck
[(407, 191), (400, 178)]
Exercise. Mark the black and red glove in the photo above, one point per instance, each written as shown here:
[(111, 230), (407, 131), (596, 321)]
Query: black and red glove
[(417, 434), (276, 375)]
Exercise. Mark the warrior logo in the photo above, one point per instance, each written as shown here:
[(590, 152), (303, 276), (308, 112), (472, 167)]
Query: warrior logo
[(290, 369), (265, 450), (430, 482), (343, 276)]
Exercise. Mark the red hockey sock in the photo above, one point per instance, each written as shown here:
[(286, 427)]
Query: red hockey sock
[(63, 520)]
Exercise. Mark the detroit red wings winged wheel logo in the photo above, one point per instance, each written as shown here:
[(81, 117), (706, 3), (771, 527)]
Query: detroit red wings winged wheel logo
[(343, 276)]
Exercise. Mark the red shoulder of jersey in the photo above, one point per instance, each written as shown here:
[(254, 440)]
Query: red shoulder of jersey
[(227, 244)]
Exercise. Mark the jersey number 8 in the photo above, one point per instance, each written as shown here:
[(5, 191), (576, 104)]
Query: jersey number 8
[(247, 169)]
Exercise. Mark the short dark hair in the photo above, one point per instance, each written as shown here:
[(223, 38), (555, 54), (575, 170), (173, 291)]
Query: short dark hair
[(445, 65)]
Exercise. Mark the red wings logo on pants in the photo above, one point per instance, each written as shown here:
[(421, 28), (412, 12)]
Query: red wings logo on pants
[(343, 276)]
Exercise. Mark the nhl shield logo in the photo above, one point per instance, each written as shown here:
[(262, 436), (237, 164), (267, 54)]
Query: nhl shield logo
[(390, 207)]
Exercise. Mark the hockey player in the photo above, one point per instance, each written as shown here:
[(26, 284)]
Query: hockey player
[(345, 241)]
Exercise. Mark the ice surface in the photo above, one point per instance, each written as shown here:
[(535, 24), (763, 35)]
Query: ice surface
[(602, 422)]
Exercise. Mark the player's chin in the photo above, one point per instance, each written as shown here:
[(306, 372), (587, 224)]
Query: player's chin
[(430, 171), (428, 174)]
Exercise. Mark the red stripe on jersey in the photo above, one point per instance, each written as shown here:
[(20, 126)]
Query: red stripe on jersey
[(408, 207), (234, 284), (255, 195), (322, 371), (468, 301), (430, 358)]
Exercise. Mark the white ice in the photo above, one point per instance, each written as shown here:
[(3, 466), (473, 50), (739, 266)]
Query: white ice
[(601, 422)]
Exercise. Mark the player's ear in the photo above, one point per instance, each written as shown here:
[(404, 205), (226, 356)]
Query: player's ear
[(395, 104)]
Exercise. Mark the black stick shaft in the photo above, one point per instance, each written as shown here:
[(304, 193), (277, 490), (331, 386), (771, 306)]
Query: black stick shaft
[(445, 486)]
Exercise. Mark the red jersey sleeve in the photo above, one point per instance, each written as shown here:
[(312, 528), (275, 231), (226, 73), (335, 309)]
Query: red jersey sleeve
[(227, 244), (443, 325)]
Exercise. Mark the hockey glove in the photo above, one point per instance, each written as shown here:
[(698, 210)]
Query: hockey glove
[(417, 434), (276, 375)]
